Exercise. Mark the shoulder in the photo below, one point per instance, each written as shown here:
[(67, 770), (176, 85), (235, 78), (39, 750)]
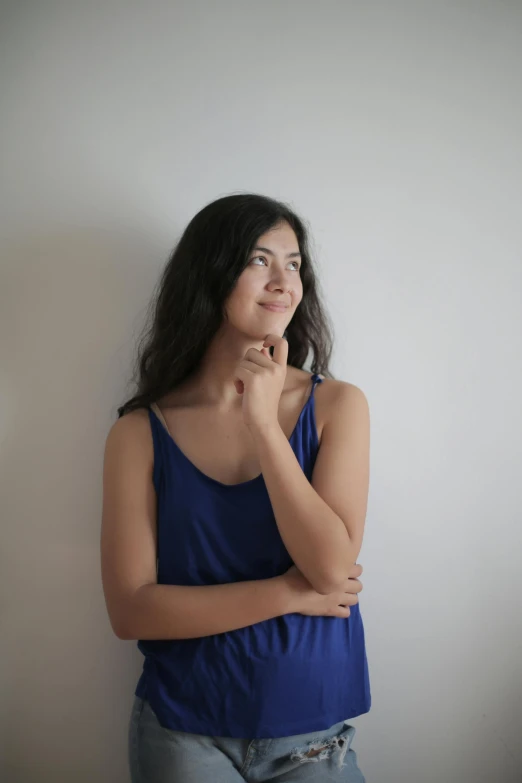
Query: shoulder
[(343, 392), (339, 403), (331, 388), (131, 431)]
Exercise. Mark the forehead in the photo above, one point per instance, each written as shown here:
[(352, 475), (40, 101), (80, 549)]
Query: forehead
[(282, 236)]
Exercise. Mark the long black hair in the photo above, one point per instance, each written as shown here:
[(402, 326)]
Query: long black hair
[(187, 309)]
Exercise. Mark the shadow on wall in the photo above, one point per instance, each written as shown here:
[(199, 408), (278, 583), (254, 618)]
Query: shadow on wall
[(71, 308)]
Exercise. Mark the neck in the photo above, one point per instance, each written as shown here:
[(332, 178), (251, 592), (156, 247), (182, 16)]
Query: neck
[(213, 382)]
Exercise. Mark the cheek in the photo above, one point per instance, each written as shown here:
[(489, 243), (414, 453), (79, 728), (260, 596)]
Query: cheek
[(298, 295), (242, 298), (246, 291)]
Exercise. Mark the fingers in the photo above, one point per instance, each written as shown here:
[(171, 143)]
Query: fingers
[(350, 599), (355, 570), (353, 586)]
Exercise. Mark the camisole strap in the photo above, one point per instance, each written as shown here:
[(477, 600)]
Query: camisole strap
[(316, 378), (160, 416), (154, 406)]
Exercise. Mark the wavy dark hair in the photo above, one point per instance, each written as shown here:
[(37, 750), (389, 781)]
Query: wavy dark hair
[(187, 308)]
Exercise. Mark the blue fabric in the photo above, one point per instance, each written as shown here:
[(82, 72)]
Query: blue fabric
[(159, 755), (292, 674)]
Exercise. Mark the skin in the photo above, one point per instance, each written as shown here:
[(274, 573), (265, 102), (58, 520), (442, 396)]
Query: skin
[(233, 420), (266, 278), (241, 389)]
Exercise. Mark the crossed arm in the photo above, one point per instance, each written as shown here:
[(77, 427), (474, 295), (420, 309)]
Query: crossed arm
[(321, 524)]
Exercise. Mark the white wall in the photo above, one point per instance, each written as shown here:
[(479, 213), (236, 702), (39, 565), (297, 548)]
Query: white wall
[(395, 128)]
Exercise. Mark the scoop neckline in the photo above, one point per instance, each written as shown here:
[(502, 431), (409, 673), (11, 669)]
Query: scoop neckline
[(310, 400)]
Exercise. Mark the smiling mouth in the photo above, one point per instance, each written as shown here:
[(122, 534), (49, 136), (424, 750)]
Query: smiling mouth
[(275, 308)]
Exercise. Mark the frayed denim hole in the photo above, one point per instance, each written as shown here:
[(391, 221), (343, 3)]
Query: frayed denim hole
[(323, 749)]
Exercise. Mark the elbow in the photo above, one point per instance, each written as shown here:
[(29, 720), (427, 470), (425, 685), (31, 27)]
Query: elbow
[(326, 588), (333, 581), (329, 582), (331, 578), (121, 631), (129, 617), (121, 626), (325, 585), (124, 635), (124, 616)]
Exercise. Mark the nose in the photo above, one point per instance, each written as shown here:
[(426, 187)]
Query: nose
[(281, 282)]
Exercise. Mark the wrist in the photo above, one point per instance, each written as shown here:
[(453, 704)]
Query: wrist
[(287, 597), (266, 432)]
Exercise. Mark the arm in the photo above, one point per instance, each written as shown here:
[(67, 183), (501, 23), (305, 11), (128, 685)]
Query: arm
[(138, 607), (178, 612), (322, 522)]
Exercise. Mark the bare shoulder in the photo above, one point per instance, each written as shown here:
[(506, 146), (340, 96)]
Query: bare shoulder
[(337, 401), (130, 431), (132, 421), (339, 391), (332, 389)]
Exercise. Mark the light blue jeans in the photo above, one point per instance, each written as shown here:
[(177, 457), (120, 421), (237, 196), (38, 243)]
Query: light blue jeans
[(158, 755)]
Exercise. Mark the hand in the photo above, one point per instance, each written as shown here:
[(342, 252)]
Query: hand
[(260, 378), (310, 602)]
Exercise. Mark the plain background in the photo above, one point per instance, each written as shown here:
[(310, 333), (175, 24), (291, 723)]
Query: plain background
[(395, 129)]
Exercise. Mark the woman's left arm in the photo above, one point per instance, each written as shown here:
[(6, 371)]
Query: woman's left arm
[(322, 522)]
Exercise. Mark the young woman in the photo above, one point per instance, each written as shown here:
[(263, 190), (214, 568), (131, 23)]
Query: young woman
[(234, 499)]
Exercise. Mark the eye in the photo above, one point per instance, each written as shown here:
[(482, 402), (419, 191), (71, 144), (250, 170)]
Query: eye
[(291, 262)]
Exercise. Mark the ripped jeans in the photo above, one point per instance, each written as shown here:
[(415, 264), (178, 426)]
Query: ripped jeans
[(158, 755)]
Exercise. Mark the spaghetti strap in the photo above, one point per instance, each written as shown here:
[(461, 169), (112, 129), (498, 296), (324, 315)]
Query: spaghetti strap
[(212, 533), (316, 378), (155, 408)]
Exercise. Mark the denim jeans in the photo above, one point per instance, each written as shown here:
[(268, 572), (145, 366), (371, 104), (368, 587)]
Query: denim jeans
[(158, 755)]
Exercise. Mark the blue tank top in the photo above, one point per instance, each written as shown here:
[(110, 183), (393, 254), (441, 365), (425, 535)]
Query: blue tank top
[(292, 674)]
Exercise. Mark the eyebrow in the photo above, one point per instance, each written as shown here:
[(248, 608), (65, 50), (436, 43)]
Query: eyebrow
[(271, 252)]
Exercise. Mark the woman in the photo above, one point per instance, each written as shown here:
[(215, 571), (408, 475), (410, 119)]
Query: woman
[(234, 502)]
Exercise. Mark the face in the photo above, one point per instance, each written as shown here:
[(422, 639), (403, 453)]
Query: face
[(272, 275)]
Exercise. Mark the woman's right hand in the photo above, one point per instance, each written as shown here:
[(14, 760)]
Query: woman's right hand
[(309, 601)]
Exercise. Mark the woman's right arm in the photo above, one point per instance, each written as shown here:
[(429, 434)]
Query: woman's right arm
[(138, 607)]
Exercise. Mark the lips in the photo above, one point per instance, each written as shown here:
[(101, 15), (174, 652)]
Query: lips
[(275, 308)]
